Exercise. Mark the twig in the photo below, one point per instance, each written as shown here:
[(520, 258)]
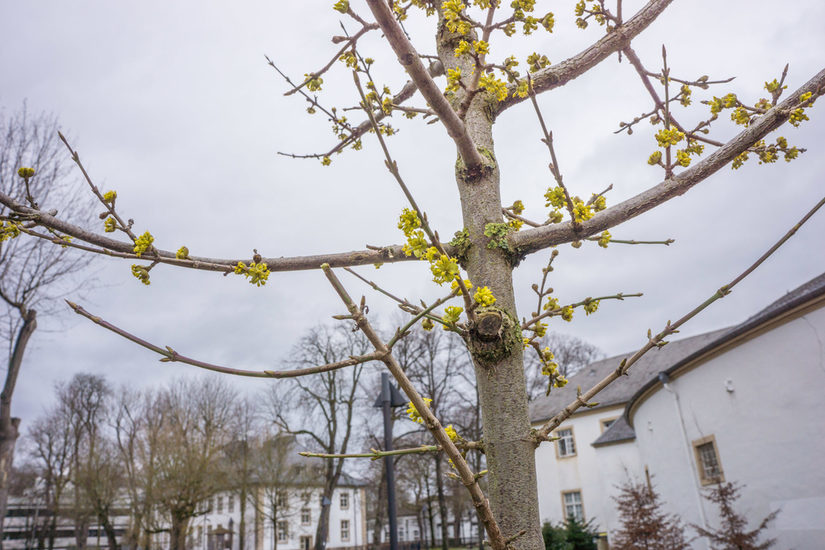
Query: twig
[(410, 60), (670, 328), (561, 73), (349, 42), (557, 311), (392, 166), (530, 240), (667, 242), (468, 479), (172, 356), (375, 454), (554, 164)]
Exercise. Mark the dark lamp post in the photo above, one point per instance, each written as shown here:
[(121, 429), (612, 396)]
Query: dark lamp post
[(390, 397)]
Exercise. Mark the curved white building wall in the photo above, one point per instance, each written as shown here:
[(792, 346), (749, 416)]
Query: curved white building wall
[(592, 471), (763, 401)]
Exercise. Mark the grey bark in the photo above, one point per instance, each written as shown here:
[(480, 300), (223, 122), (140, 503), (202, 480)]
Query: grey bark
[(508, 444), (9, 427)]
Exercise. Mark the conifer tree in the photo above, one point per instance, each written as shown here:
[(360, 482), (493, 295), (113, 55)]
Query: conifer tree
[(644, 524), (732, 534)]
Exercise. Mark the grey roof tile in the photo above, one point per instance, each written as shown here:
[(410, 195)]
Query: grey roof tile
[(621, 390)]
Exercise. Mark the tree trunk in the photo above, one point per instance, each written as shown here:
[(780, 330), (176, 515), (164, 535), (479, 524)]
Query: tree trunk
[(381, 504), (322, 530), (9, 427), (442, 502), (177, 534), (109, 529), (242, 523), (430, 514), (495, 341), (81, 531)]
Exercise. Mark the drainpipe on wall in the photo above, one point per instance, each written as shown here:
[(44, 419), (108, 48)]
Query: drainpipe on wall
[(664, 378)]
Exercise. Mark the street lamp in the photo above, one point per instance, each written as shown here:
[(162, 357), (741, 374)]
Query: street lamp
[(390, 397)]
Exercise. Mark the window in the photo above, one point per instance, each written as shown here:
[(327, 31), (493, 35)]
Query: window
[(231, 503), (606, 423), (306, 516), (306, 543), (344, 530), (344, 502), (283, 531), (306, 495), (565, 445), (707, 461), (282, 498), (220, 505), (572, 505)]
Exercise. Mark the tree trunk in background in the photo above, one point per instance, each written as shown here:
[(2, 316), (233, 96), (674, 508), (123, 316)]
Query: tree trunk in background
[(109, 529), (177, 535), (9, 427), (442, 502)]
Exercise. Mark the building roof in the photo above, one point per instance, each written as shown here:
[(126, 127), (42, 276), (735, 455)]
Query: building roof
[(620, 391), (644, 374), (801, 295), (620, 430)]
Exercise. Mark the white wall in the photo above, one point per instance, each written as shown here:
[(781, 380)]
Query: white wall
[(770, 431), (593, 471)]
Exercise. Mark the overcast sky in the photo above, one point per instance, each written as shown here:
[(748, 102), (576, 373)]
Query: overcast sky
[(173, 105)]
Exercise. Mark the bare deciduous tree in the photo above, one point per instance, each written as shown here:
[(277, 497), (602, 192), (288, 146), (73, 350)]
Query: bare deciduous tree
[(326, 404), (571, 354), (51, 444), (33, 273), (483, 83), (197, 422)]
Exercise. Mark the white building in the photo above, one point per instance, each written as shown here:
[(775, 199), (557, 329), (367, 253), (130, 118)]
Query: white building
[(292, 527), (281, 513), (742, 404)]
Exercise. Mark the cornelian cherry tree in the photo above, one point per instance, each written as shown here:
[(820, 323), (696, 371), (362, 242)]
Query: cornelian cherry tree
[(465, 81)]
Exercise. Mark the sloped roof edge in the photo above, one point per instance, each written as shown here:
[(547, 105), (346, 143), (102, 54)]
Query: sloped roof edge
[(803, 295)]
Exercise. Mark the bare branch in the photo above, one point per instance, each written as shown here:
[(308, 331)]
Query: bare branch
[(469, 479), (409, 59), (531, 240), (670, 328), (569, 69), (172, 356)]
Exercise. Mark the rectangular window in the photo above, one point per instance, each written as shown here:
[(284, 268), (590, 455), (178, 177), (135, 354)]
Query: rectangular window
[(572, 503), (283, 531), (345, 530), (344, 502), (220, 505), (306, 543), (606, 423), (565, 445), (707, 460), (282, 499), (306, 516), (231, 503)]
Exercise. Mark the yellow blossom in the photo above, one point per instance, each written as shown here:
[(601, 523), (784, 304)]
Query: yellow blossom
[(484, 296), (143, 243), (413, 413)]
